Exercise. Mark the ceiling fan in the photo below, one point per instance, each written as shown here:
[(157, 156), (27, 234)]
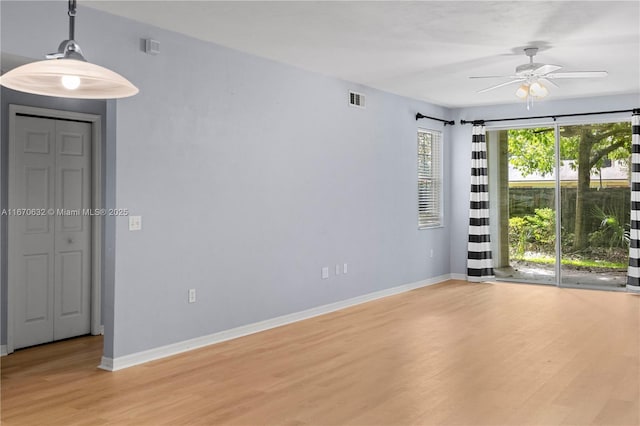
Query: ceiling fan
[(534, 76)]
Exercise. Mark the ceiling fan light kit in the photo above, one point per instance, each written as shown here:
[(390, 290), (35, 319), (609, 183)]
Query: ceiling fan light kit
[(67, 74), (538, 90), (535, 77), (523, 91)]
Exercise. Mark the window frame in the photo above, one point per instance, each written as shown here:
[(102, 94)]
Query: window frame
[(436, 219)]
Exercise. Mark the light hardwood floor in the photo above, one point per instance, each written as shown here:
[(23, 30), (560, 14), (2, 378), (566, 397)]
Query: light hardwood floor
[(455, 353)]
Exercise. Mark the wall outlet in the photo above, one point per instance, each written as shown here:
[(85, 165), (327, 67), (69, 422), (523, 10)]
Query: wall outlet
[(192, 295), (431, 253), (325, 272), (135, 223), (344, 268), (337, 269)]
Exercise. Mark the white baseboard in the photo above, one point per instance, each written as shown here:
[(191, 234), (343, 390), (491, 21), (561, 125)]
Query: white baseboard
[(106, 363), (3, 350), (461, 277), (118, 363), (97, 331)]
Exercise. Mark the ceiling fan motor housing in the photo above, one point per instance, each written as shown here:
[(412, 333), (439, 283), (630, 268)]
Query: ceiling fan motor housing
[(527, 68)]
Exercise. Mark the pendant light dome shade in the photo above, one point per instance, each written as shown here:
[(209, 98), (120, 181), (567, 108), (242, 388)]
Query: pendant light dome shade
[(68, 78), (67, 74)]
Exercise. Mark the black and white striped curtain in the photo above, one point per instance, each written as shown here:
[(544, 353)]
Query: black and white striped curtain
[(633, 273), (479, 261)]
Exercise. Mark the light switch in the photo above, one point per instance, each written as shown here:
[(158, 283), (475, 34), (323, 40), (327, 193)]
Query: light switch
[(135, 223)]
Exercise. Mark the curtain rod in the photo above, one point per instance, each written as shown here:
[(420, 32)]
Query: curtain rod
[(449, 122), (482, 122)]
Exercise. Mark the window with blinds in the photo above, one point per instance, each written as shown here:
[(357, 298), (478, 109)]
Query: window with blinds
[(429, 179)]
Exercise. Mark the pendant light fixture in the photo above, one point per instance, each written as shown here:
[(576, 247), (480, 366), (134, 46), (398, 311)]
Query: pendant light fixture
[(67, 74)]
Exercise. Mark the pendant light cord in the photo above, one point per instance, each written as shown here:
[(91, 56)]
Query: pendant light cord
[(72, 19)]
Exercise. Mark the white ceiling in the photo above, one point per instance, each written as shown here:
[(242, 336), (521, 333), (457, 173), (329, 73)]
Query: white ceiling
[(424, 50)]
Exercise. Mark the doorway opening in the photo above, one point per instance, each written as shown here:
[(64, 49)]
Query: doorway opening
[(55, 225), (562, 194)]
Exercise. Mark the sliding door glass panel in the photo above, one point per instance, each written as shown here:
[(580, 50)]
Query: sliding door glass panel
[(522, 170), (595, 200)]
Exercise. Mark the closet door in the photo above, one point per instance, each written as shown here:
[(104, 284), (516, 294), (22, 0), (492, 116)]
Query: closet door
[(49, 244)]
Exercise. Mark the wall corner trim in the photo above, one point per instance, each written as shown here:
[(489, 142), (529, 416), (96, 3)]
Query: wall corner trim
[(3, 350), (106, 364), (126, 361)]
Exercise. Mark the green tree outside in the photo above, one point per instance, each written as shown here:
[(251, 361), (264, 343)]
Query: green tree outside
[(587, 146)]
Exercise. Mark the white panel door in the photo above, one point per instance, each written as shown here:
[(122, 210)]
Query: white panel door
[(50, 253), (32, 249), (72, 286)]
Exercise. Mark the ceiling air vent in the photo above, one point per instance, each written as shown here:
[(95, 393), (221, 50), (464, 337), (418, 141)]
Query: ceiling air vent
[(356, 99)]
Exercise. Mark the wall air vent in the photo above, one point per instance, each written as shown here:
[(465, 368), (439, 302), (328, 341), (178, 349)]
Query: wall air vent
[(152, 47), (356, 99)]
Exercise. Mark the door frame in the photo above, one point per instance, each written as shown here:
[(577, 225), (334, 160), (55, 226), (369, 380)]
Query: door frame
[(96, 203), (556, 124)]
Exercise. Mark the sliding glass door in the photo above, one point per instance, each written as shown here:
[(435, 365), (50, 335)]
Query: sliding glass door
[(522, 187), (595, 204), (579, 174)]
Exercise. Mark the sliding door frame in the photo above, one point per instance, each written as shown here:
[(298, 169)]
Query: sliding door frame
[(556, 124)]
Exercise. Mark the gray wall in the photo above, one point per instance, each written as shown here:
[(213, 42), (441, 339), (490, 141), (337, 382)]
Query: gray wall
[(461, 153), (250, 176)]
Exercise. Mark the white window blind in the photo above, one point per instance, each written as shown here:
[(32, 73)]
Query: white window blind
[(429, 179)]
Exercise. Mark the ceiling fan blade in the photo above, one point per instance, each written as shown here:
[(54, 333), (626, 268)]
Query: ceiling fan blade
[(546, 69), (497, 76), (549, 82), (578, 74), (501, 84)]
